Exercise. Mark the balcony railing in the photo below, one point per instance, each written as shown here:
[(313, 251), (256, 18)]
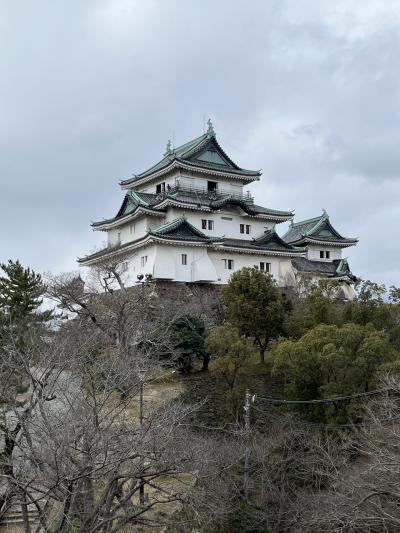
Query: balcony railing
[(217, 194)]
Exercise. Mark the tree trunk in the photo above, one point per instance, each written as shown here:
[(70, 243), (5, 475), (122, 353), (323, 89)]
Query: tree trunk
[(25, 514), (206, 360), (262, 355)]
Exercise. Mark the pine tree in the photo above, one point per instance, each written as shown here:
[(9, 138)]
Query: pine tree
[(21, 291)]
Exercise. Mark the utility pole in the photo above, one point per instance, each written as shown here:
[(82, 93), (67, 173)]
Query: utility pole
[(246, 469), (142, 374)]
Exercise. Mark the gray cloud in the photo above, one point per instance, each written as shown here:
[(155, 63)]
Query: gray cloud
[(91, 91)]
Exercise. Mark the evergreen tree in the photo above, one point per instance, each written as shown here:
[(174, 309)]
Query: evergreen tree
[(254, 305), (21, 291)]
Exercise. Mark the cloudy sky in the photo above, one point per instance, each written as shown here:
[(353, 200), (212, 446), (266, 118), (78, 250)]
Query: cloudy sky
[(91, 90)]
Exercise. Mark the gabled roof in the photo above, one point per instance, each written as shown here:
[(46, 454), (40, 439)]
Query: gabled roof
[(136, 202), (338, 268), (203, 152), (133, 203), (180, 229), (317, 230), (269, 242)]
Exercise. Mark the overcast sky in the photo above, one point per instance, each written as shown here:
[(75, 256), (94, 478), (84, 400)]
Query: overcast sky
[(91, 90)]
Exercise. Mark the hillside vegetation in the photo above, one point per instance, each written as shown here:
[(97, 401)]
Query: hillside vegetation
[(197, 409)]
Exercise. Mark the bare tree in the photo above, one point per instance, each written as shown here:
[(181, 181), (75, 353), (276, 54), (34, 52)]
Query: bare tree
[(75, 446)]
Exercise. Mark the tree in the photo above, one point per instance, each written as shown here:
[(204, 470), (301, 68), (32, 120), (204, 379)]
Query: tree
[(332, 361), (21, 291), (188, 332), (255, 306), (76, 449), (315, 302), (231, 351)]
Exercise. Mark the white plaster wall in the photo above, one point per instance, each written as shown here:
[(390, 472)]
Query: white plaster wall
[(281, 268), (313, 252), (192, 181), (134, 264), (133, 230), (168, 264), (222, 227)]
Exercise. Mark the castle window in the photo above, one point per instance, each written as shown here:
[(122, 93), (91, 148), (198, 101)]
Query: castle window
[(207, 224), (184, 259), (228, 264), (327, 254), (160, 187), (265, 267), (212, 186), (245, 228), (124, 266), (321, 254), (143, 260)]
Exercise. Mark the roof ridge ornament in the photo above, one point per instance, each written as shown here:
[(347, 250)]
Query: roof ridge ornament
[(168, 149), (324, 214), (210, 129)]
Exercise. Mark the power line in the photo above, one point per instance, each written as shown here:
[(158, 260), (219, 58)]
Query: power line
[(311, 425), (283, 401)]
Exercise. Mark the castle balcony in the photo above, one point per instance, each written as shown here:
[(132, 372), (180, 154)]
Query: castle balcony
[(204, 192)]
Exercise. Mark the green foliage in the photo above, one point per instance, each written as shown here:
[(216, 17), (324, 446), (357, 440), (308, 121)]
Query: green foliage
[(317, 304), (255, 306), (189, 337), (231, 351), (21, 291), (331, 360)]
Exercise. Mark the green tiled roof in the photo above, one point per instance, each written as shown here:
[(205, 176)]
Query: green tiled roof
[(204, 152), (180, 229), (318, 229), (151, 201), (337, 268), (270, 241)]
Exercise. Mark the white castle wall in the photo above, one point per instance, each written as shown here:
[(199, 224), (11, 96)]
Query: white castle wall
[(133, 230), (222, 226), (313, 252), (165, 262)]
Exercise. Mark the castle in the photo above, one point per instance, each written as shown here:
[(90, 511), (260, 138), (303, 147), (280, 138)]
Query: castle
[(188, 219)]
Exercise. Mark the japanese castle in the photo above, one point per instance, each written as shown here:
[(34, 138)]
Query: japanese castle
[(188, 219)]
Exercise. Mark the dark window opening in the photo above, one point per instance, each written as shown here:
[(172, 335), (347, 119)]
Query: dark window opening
[(228, 264), (265, 267), (212, 186), (160, 187)]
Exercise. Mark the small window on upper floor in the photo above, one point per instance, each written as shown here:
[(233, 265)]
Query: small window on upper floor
[(265, 267), (207, 224), (184, 259), (228, 264), (124, 266), (160, 187), (143, 260), (245, 228), (212, 186), (324, 254)]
